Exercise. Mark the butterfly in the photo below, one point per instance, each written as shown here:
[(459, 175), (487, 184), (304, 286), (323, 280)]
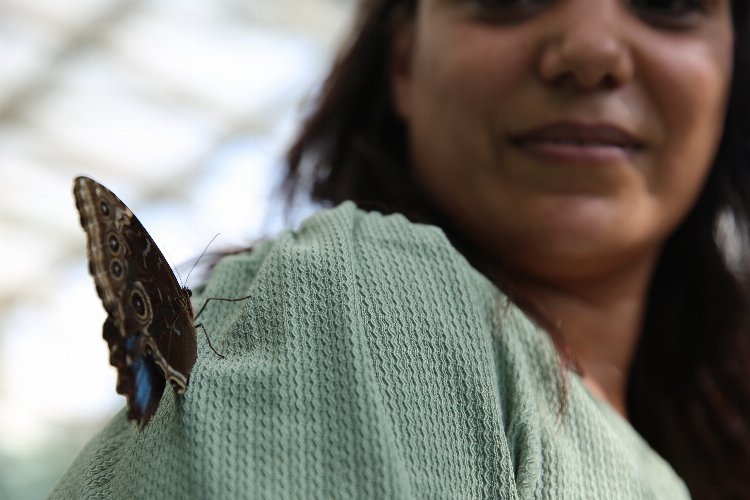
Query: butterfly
[(150, 326)]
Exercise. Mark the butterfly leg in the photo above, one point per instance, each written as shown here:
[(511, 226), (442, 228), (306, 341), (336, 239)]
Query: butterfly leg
[(218, 299), (208, 339), (200, 311)]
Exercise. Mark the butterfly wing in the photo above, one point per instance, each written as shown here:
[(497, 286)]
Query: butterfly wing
[(149, 327)]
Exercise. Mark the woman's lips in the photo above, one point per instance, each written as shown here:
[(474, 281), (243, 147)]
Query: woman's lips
[(570, 142)]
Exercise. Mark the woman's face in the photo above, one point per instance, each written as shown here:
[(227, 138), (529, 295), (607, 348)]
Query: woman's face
[(565, 137)]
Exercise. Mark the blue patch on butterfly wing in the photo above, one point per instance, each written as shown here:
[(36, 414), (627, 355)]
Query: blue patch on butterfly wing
[(144, 383), (147, 384)]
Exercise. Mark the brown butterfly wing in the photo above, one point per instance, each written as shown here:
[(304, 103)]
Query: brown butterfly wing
[(149, 328)]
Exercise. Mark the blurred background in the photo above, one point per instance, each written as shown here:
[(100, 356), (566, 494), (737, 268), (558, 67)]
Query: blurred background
[(182, 108)]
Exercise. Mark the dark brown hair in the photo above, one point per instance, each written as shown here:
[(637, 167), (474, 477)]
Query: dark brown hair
[(689, 389)]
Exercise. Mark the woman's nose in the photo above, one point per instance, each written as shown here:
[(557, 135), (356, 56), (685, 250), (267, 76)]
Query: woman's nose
[(585, 47)]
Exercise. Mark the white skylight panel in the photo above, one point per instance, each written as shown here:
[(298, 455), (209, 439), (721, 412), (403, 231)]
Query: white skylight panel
[(235, 68), (101, 121)]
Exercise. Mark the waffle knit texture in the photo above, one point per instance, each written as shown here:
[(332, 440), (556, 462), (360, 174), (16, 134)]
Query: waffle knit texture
[(372, 362)]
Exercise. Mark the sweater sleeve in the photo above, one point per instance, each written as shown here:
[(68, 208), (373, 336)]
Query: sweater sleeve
[(358, 369)]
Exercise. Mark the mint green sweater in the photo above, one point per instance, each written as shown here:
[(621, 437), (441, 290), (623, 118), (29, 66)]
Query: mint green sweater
[(372, 362)]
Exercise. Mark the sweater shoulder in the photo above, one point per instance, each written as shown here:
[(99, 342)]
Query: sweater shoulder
[(370, 361)]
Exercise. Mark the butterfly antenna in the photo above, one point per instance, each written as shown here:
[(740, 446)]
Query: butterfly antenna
[(178, 276), (199, 258)]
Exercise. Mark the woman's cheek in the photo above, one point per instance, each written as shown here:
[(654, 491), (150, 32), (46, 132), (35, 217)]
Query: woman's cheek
[(689, 95)]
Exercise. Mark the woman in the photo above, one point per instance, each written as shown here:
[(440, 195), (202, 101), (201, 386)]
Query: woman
[(581, 155)]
